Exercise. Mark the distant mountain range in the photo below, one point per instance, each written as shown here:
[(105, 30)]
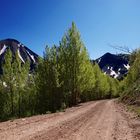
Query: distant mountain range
[(116, 66), (24, 53)]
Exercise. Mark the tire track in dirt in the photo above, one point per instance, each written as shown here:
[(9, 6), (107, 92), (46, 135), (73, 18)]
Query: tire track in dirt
[(67, 129), (102, 122)]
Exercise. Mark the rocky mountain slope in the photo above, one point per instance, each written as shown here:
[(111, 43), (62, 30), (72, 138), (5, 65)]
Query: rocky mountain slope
[(24, 53), (116, 66)]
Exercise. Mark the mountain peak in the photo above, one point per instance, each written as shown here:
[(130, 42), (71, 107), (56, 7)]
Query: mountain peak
[(108, 53), (114, 65), (24, 53), (10, 40)]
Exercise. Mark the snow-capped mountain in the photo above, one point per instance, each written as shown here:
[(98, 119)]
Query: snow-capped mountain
[(116, 66), (24, 53)]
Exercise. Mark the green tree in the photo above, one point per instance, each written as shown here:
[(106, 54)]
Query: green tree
[(47, 82), (21, 77), (14, 83), (98, 80), (130, 85), (8, 83), (77, 69)]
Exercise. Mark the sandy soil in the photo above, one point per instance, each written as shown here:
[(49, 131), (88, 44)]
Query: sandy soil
[(98, 120)]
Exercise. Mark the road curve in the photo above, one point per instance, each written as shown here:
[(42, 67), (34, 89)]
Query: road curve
[(97, 120)]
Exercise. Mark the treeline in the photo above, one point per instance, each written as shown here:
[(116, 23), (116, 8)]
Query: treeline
[(130, 86), (16, 88), (63, 78)]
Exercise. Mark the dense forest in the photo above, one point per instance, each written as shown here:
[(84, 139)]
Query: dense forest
[(64, 77), (130, 86)]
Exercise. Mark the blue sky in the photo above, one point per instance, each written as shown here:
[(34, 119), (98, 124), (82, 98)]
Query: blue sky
[(37, 23)]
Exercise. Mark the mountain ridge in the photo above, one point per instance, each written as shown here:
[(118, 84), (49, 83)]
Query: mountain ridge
[(24, 53), (115, 65)]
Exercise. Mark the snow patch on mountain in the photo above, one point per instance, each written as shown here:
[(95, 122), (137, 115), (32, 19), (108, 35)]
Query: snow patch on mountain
[(20, 56), (116, 66), (32, 57), (3, 49), (99, 60), (113, 73), (126, 66), (19, 44)]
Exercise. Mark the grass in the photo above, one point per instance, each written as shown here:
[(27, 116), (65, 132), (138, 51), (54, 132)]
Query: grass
[(134, 108)]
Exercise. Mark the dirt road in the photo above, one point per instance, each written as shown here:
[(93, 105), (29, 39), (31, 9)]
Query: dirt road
[(98, 120)]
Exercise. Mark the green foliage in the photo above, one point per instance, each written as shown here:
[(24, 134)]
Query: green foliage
[(47, 82), (129, 87), (14, 87), (66, 76), (63, 78), (77, 75), (105, 86), (134, 108), (8, 85)]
